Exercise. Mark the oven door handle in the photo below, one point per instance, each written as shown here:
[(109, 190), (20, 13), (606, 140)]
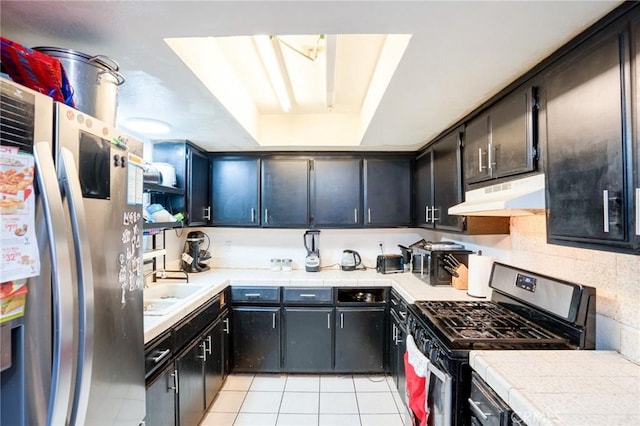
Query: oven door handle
[(448, 397), (477, 411)]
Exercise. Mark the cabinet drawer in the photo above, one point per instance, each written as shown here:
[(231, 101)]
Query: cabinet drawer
[(255, 294), (307, 296), (191, 326), (157, 354)]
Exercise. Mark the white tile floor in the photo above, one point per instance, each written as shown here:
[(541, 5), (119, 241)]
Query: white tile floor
[(301, 400)]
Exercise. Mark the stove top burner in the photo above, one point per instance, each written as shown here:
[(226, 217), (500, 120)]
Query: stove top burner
[(471, 322)]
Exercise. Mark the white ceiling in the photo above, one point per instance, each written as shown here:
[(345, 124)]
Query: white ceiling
[(460, 54)]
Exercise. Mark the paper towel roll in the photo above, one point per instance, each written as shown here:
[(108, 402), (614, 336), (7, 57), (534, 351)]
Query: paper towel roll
[(479, 274)]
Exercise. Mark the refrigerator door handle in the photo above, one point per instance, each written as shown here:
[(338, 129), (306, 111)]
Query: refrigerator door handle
[(61, 285), (71, 184)]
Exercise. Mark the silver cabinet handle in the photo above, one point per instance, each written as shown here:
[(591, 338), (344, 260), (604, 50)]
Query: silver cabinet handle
[(434, 209), (393, 334), (637, 211), (207, 214), (162, 355), (61, 285), (253, 215), (307, 295), (476, 410), (605, 209), (175, 381), (480, 166), (252, 295), (427, 209), (355, 215), (226, 322), (329, 320), (82, 249), (203, 346), (369, 215), (209, 345), (491, 157), (341, 319), (274, 320), (266, 215)]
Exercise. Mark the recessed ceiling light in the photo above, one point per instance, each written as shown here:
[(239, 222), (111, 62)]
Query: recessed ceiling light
[(149, 126)]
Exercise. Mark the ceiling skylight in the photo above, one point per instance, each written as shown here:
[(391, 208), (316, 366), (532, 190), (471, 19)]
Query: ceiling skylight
[(297, 90)]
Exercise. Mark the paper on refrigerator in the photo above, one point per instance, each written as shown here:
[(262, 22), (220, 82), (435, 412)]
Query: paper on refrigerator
[(18, 245)]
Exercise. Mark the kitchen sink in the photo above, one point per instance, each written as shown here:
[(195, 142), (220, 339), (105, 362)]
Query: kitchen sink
[(163, 298)]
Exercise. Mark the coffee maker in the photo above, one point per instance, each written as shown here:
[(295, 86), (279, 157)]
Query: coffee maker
[(194, 258), (311, 243)]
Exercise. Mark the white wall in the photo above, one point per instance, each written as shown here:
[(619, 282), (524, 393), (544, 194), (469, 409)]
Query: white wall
[(616, 276)]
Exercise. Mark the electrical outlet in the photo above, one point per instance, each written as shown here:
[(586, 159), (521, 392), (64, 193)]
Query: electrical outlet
[(227, 246)]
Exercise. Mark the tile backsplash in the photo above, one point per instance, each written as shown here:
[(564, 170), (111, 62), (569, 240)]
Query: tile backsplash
[(614, 275)]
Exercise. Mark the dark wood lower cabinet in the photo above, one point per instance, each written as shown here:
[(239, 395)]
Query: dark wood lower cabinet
[(256, 339), (360, 335), (190, 384), (308, 340), (161, 399), (214, 362)]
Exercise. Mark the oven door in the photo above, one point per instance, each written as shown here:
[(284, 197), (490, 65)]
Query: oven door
[(439, 396)]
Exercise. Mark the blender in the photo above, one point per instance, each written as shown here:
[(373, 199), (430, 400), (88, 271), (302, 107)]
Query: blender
[(311, 243)]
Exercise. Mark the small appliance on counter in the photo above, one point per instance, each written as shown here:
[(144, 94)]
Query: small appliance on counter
[(312, 243), (437, 262), (389, 264), (350, 260), (195, 259)]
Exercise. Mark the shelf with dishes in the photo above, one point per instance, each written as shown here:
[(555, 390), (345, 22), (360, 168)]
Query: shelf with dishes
[(162, 189)]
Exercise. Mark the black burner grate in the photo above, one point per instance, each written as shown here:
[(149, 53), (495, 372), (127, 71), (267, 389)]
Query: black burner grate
[(483, 322)]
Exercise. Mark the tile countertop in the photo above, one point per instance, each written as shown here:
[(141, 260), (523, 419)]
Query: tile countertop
[(564, 387), (215, 280)]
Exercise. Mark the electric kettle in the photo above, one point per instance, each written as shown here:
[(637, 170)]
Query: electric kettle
[(350, 260)]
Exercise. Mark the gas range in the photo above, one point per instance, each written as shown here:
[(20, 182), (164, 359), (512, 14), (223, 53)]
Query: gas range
[(526, 311), (483, 324)]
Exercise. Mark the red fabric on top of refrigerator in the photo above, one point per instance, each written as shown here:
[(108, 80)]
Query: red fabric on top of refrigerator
[(37, 71), (416, 387)]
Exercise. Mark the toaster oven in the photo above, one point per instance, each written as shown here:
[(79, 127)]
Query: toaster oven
[(432, 266)]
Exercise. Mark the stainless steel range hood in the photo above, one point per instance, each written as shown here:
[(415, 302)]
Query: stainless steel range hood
[(520, 197)]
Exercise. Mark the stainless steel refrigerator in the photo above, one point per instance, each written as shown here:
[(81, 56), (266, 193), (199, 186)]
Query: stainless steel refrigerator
[(80, 347)]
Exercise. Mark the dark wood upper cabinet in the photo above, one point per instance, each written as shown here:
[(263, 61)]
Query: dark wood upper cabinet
[(447, 178), (192, 174), (235, 191), (635, 139), (589, 166), (335, 194), (503, 141), (285, 192), (387, 191)]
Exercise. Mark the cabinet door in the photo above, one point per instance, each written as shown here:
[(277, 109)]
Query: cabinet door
[(476, 150), (586, 137), (213, 365), (512, 134), (198, 208), (635, 146), (235, 189), (161, 399), (359, 340), (307, 340), (387, 198), (424, 190), (226, 344), (336, 198), (256, 339), (190, 384), (285, 193), (447, 178)]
